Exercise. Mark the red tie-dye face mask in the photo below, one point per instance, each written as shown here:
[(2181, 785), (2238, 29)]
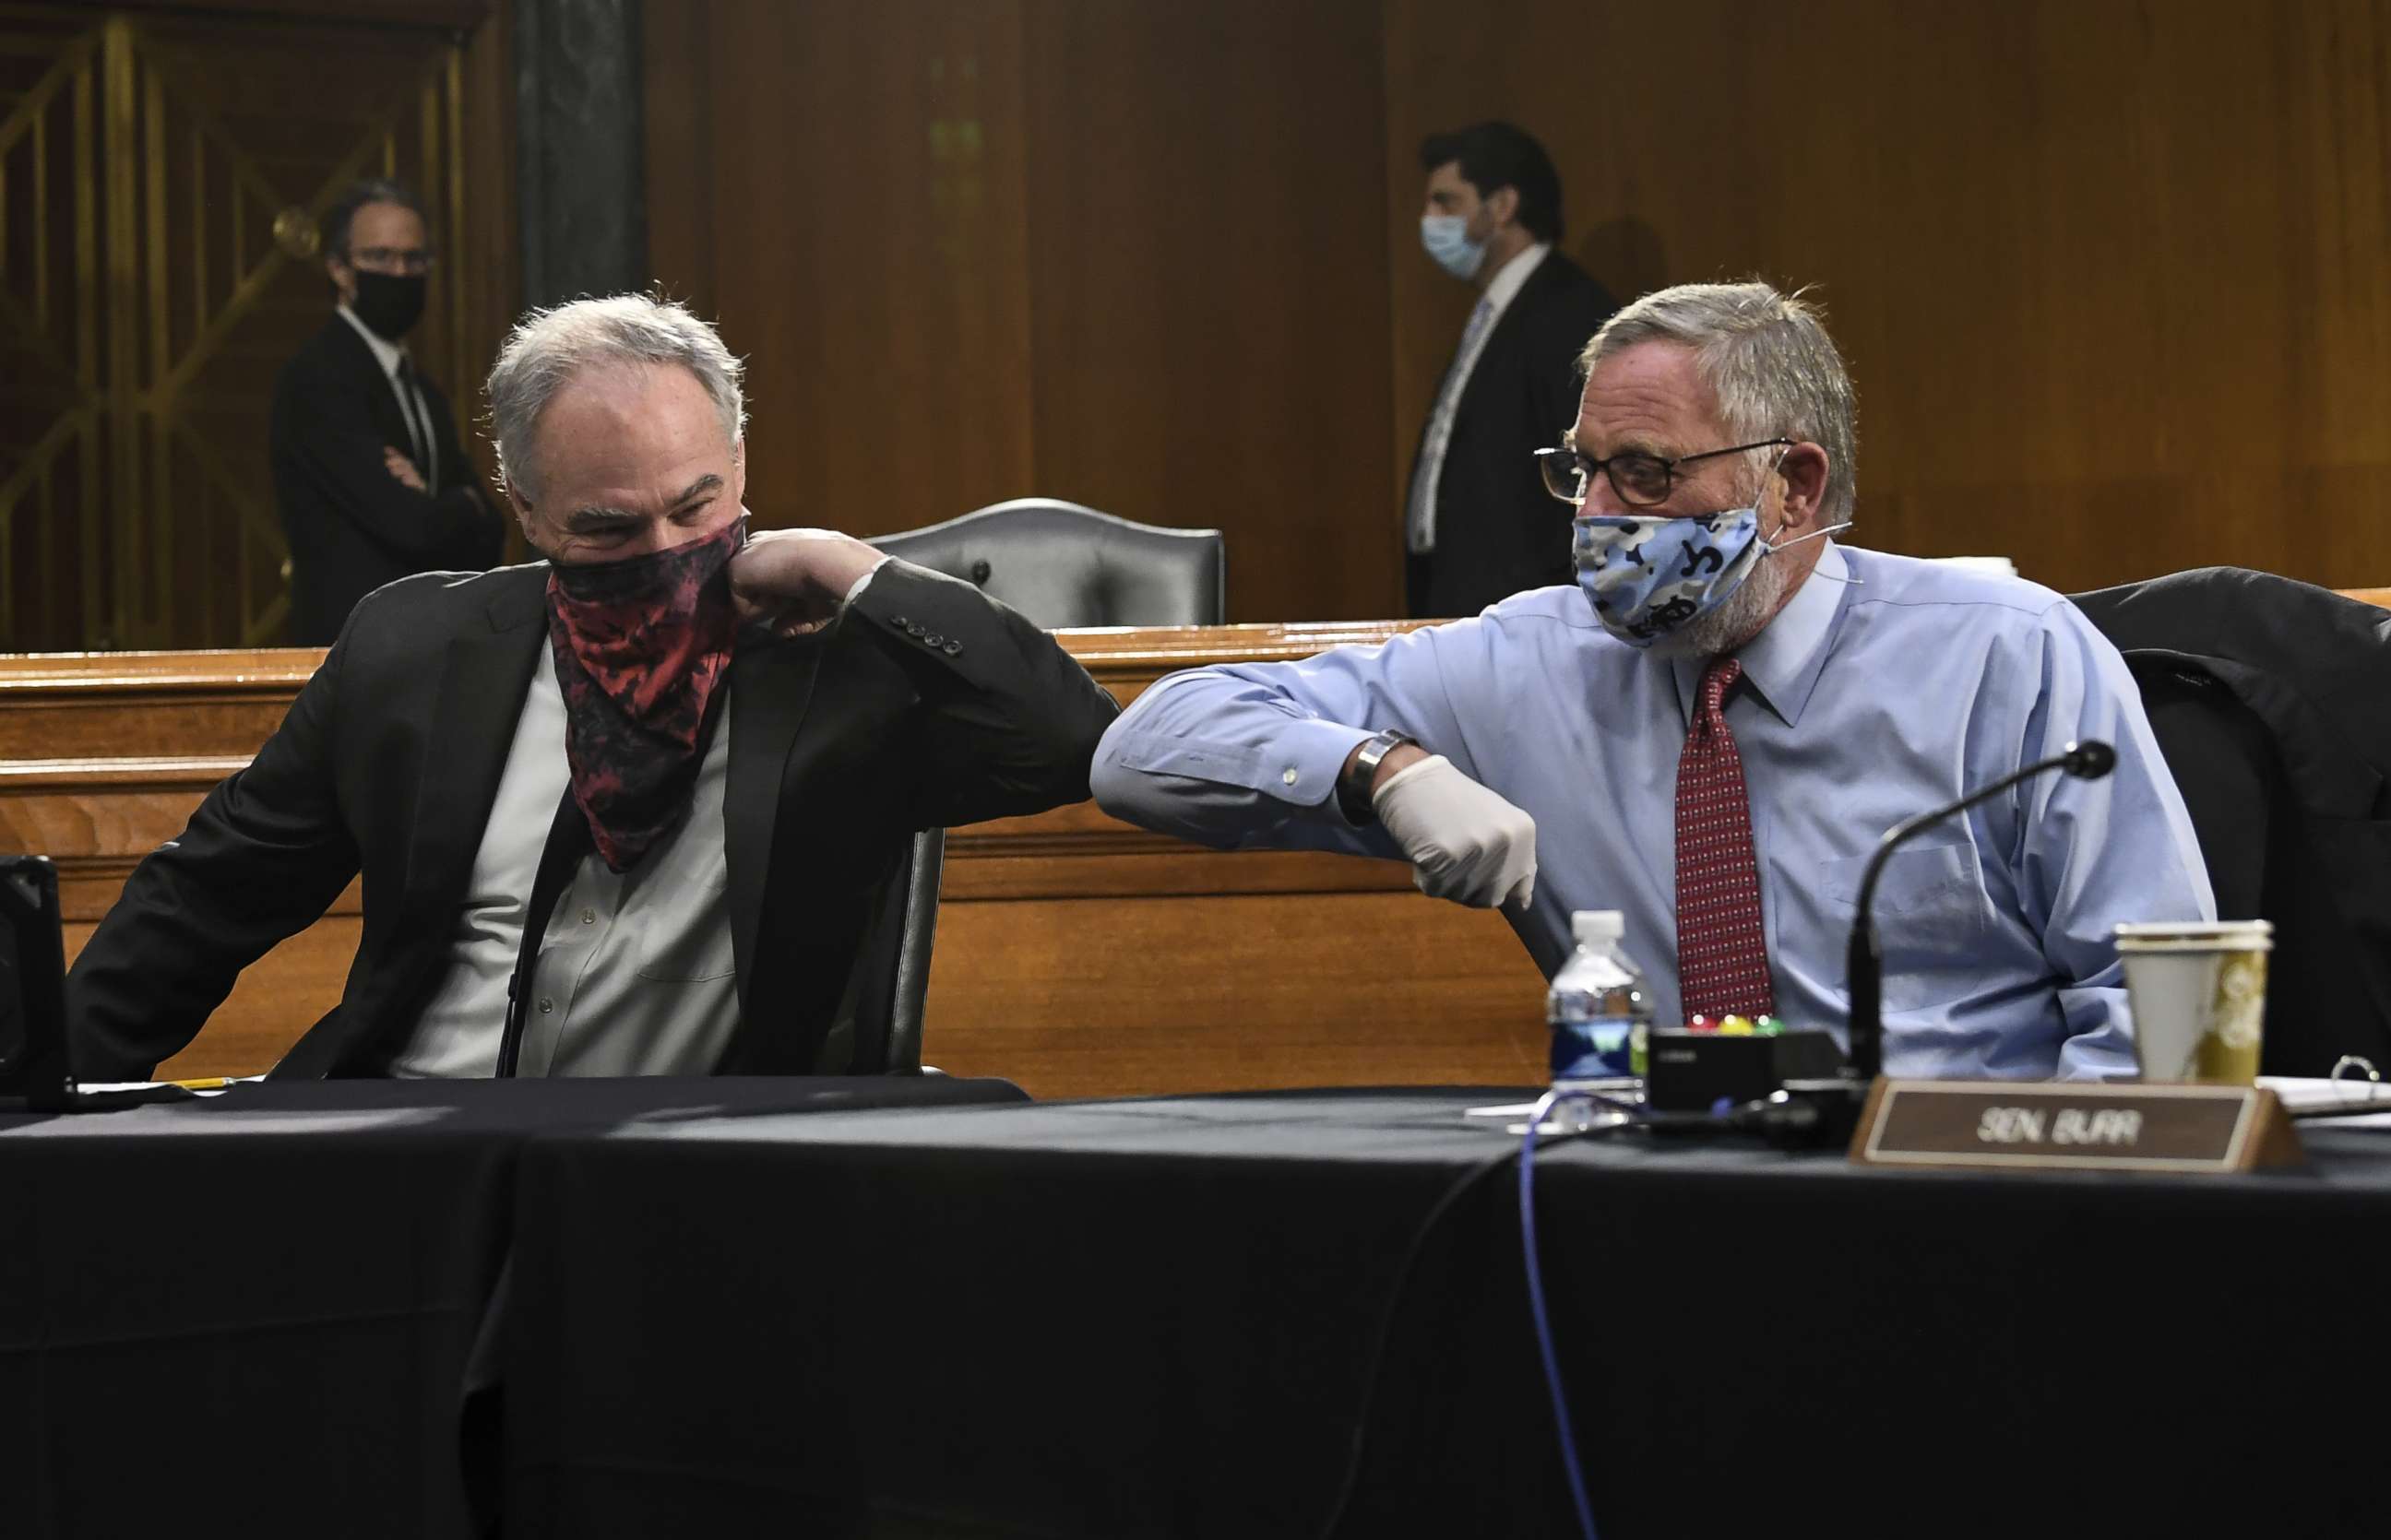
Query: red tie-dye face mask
[(641, 646)]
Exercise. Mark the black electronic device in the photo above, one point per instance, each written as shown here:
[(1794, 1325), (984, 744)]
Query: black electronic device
[(1691, 1071), (33, 999), (33, 983)]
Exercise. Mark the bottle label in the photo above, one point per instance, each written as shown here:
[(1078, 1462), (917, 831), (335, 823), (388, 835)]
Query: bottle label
[(1599, 1048)]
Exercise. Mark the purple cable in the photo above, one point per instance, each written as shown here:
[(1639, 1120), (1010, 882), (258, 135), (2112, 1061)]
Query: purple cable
[(1536, 1302)]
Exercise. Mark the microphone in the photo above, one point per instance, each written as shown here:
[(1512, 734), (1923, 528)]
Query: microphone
[(1864, 964)]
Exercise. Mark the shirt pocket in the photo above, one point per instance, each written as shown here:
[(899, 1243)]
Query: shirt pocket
[(687, 940), (1931, 911)]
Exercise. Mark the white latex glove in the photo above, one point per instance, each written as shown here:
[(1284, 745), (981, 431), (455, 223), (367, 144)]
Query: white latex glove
[(1464, 842)]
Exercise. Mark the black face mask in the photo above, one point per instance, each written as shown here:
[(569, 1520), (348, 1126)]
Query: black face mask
[(389, 303)]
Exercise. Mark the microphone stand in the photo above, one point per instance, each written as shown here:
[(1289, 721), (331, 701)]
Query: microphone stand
[(1835, 1104)]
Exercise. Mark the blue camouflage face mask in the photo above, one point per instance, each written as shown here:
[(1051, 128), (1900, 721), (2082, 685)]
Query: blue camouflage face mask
[(1648, 574), (1446, 238)]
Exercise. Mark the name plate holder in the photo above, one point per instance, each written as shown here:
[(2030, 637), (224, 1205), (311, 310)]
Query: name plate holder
[(1996, 1126)]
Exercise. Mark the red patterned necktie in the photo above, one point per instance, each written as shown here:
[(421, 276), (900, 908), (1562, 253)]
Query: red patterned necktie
[(1722, 952)]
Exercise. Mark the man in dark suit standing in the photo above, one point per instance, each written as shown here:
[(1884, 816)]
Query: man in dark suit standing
[(1477, 523), (629, 810), (372, 480)]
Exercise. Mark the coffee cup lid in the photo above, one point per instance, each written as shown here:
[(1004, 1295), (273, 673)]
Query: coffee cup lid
[(2238, 934)]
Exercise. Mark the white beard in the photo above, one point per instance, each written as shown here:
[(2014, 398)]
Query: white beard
[(1737, 621)]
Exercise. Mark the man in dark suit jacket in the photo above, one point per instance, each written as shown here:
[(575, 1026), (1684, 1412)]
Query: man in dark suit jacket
[(472, 741), (372, 480), (1478, 524)]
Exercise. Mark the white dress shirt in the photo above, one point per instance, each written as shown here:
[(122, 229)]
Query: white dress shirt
[(389, 356), (1886, 686), (635, 975), (1501, 290)]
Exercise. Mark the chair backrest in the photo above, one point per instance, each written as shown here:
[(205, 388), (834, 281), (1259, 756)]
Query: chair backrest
[(1065, 565), (2000, 566), (1060, 565), (894, 971), (2265, 696)]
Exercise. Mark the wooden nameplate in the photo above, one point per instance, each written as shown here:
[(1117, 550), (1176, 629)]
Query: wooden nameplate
[(1999, 1125)]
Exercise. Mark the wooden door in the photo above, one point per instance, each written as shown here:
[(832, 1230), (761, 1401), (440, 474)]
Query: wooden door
[(161, 178)]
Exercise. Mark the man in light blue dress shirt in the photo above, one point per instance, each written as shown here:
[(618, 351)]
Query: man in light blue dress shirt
[(1530, 757)]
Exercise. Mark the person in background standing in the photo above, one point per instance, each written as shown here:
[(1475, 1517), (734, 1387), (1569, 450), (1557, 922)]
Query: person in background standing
[(371, 481), (1479, 526)]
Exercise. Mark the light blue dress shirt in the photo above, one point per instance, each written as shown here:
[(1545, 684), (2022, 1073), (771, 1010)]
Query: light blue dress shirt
[(1886, 687)]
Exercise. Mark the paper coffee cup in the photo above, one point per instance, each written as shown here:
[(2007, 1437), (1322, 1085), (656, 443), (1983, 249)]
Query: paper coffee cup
[(2199, 996)]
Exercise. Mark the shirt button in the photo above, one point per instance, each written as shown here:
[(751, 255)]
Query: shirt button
[(589, 916), (545, 1007), (1288, 775)]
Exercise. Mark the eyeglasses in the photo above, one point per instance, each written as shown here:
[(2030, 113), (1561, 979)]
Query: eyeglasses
[(392, 259), (1642, 481)]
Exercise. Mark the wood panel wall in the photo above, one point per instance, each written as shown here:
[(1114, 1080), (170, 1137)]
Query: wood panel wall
[(1120, 252), (2114, 276)]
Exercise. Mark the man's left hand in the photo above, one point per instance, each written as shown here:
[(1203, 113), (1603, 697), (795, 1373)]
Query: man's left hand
[(796, 581), (403, 469)]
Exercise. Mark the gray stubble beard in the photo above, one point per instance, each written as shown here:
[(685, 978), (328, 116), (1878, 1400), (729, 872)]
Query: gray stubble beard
[(1746, 612)]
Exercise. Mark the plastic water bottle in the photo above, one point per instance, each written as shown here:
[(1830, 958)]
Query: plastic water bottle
[(1599, 1006)]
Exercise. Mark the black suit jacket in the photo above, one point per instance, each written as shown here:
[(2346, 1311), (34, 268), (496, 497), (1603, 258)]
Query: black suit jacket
[(2272, 702), (351, 525), (926, 705), (1498, 531)]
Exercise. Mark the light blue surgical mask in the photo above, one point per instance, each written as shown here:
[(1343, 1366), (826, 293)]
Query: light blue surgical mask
[(1446, 238), (1648, 574)]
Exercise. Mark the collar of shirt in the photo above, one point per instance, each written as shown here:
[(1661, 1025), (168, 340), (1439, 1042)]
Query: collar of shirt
[(1782, 662), (1505, 286), (387, 354)]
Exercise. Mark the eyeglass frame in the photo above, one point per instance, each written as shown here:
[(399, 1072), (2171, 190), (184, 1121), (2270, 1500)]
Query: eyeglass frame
[(402, 262), (1581, 462)]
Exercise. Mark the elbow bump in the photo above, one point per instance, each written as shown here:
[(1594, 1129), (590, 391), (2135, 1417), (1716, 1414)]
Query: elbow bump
[(1108, 782)]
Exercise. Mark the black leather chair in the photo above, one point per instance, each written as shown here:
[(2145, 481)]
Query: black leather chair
[(1064, 565), (2271, 700), (1061, 565), (893, 974)]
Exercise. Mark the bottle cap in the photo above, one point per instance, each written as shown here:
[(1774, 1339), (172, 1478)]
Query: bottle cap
[(1596, 925)]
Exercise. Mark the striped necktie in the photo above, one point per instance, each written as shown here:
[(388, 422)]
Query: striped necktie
[(418, 421)]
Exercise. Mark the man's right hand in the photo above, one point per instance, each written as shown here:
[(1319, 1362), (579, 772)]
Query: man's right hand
[(1464, 842)]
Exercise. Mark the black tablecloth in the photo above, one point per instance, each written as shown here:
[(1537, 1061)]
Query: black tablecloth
[(1181, 1317), (252, 1314)]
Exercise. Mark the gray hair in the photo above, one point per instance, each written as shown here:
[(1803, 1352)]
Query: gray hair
[(548, 347), (1767, 360)]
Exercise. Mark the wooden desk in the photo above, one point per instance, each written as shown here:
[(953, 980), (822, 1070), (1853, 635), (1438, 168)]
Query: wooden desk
[(1076, 955)]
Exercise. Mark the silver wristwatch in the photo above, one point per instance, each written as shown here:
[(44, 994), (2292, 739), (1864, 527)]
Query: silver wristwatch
[(1353, 786)]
